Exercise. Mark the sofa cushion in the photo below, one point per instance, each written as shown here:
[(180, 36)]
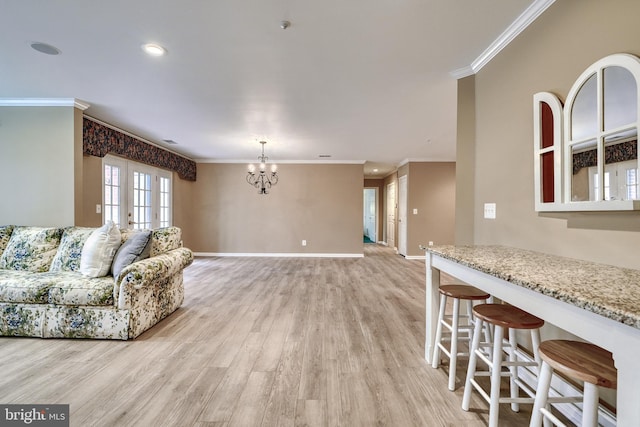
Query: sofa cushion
[(31, 249), (99, 250), (131, 250), (63, 287), (5, 235), (70, 250), (72, 288), (18, 286)]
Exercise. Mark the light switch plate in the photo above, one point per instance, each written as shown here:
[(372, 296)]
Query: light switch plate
[(490, 210), (415, 211)]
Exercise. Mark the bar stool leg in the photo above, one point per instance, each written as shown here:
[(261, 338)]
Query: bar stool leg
[(535, 343), (453, 350), (435, 360), (590, 405), (496, 368), (542, 393), (487, 336), (475, 343), (513, 385)]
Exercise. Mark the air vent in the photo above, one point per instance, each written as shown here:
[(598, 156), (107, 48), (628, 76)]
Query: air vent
[(170, 141), (324, 156)]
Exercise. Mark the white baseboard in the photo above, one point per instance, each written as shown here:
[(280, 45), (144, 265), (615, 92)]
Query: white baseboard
[(277, 255), (422, 257)]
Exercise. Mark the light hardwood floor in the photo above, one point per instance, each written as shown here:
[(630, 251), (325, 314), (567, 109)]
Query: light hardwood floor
[(260, 342)]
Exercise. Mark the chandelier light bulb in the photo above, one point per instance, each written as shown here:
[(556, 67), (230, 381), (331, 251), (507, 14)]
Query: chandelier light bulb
[(252, 168), (263, 166), (274, 168)]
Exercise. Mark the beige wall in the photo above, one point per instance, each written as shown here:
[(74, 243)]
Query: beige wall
[(432, 191), (37, 165), (465, 161), (89, 192), (321, 204), (548, 56)]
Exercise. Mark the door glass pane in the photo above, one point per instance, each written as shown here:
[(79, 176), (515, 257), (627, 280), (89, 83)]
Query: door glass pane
[(141, 200), (112, 193), (165, 209)]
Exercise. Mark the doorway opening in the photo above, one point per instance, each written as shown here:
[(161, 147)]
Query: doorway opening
[(370, 215)]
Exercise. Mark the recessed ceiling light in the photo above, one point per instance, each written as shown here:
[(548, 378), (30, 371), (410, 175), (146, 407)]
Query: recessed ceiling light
[(45, 48), (154, 49), (375, 170)]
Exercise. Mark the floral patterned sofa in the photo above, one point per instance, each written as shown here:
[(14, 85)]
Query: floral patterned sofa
[(43, 292)]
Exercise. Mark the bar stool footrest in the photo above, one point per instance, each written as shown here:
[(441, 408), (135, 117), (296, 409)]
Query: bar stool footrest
[(552, 417)]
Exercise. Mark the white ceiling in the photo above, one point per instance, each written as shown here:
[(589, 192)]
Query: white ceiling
[(359, 80)]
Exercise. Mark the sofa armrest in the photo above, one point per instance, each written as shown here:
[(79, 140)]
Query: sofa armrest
[(148, 271)]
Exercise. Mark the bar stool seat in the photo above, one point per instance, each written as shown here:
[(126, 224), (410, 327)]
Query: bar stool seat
[(501, 316), (578, 360), (453, 326)]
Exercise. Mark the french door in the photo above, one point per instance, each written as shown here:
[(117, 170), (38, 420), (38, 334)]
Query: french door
[(136, 196)]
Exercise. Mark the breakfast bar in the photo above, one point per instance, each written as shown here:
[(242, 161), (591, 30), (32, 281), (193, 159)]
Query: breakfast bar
[(596, 302)]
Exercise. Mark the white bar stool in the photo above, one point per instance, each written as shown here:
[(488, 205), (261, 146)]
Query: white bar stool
[(578, 360), (501, 316), (453, 326)]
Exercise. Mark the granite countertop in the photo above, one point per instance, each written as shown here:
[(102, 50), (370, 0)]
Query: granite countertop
[(609, 291)]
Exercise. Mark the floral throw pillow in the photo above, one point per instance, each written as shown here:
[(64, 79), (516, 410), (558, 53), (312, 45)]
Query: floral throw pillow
[(31, 249), (70, 250)]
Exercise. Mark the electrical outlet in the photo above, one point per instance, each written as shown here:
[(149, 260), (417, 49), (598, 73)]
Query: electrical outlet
[(490, 210), (430, 243), (304, 243), (415, 211)]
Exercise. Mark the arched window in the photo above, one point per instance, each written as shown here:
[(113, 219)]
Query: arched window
[(599, 140)]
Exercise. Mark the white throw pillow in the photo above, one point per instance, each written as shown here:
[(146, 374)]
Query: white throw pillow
[(99, 250)]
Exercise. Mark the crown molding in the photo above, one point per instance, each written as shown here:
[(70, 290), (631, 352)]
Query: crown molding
[(461, 73), (422, 160), (44, 102), (283, 162), (519, 25)]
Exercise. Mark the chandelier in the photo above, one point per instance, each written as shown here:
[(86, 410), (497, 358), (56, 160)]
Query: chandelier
[(260, 179)]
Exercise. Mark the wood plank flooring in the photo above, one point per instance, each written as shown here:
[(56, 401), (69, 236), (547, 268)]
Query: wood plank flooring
[(260, 342)]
